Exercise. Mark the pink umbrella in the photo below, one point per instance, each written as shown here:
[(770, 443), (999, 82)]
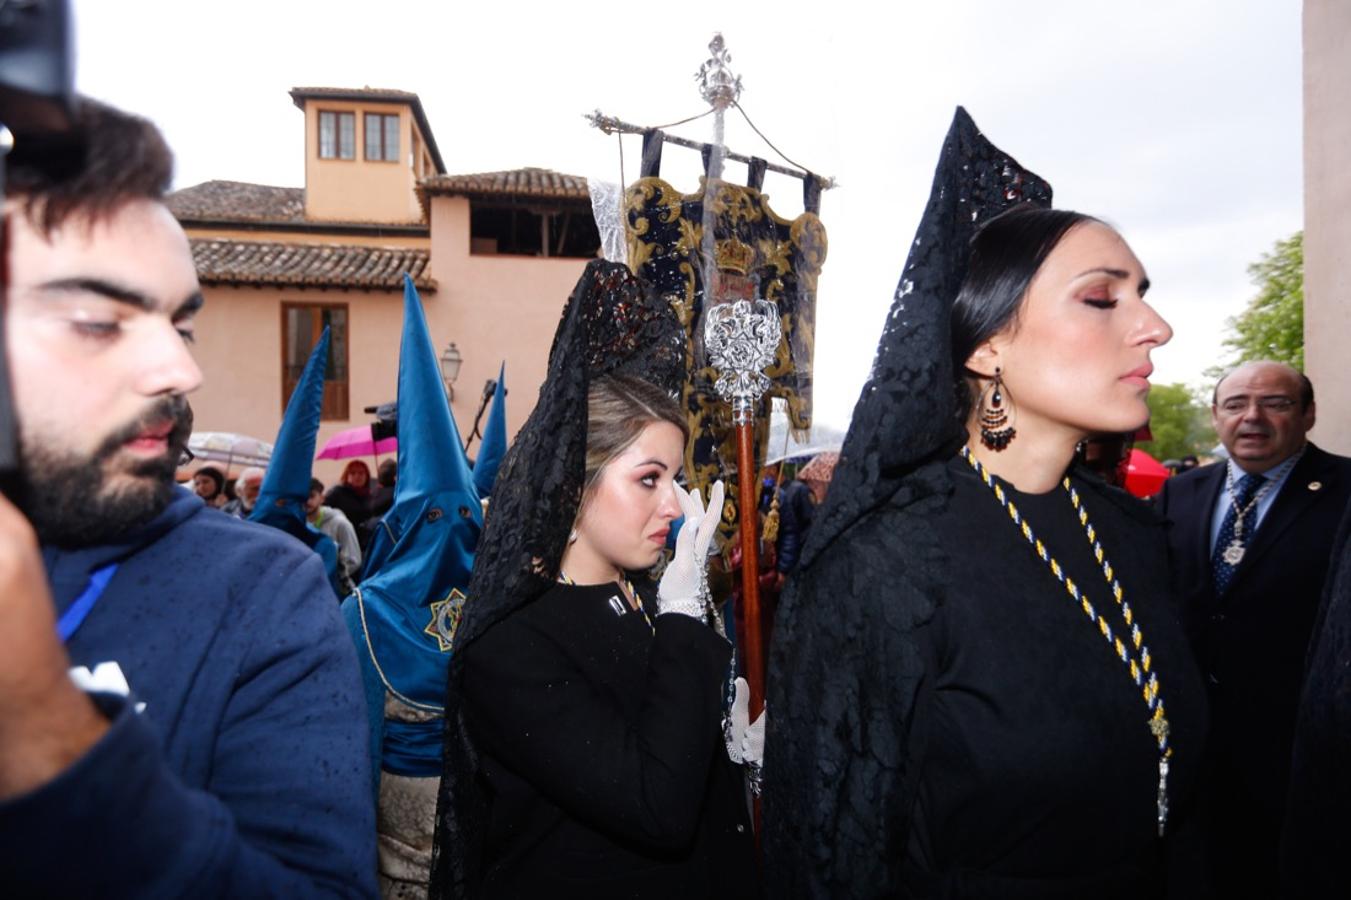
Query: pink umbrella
[(356, 442), (1145, 475)]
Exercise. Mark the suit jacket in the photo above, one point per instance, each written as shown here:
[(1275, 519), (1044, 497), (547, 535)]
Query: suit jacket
[(1251, 642), (600, 742)]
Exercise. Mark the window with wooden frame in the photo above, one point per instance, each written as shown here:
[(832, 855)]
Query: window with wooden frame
[(382, 137), (301, 325), (337, 135)]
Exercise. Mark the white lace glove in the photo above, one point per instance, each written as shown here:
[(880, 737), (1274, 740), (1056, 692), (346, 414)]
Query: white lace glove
[(683, 588), (745, 741)]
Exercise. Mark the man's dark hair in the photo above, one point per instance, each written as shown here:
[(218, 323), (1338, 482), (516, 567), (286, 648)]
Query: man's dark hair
[(108, 159), (316, 486), (1305, 386), (388, 472)]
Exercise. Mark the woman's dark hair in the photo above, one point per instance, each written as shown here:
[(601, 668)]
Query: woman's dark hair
[(215, 475), (1005, 255)]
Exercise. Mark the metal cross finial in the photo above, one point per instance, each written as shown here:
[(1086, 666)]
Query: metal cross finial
[(719, 87)]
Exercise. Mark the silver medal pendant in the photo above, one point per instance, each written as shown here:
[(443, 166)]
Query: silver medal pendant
[(1233, 554)]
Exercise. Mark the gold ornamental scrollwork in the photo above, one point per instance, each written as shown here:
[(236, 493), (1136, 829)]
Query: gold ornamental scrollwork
[(756, 256)]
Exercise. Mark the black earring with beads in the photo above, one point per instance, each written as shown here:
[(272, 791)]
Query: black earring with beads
[(995, 428)]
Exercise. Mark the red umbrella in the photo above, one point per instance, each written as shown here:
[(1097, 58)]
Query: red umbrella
[(1145, 475), (356, 442), (821, 468)]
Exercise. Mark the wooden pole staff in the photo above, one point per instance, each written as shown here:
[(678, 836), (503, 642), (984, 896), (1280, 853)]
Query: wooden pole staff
[(742, 339)]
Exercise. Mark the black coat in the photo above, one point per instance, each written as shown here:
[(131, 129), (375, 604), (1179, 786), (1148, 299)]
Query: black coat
[(1251, 645), (354, 505), (796, 507), (601, 746), (958, 728), (1317, 829)]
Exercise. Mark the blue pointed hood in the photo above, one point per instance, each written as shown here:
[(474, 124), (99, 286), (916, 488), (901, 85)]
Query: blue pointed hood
[(288, 472), (494, 445), (286, 486), (418, 565)]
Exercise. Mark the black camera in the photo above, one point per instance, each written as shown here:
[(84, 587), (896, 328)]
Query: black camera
[(37, 86)]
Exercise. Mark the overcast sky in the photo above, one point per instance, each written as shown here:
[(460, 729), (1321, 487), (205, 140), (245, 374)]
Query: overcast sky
[(1179, 122)]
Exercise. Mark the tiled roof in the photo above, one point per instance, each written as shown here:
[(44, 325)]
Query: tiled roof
[(231, 262), (300, 94), (238, 201), (529, 182), (365, 93), (262, 207)]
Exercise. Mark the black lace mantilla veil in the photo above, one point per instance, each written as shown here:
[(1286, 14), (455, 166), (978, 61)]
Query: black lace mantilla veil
[(843, 734), (612, 324)]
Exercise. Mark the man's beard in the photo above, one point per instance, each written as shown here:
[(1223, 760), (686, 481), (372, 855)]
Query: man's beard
[(68, 498)]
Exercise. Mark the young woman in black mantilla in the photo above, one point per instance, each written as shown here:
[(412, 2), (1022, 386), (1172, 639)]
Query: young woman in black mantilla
[(587, 754), (980, 686)]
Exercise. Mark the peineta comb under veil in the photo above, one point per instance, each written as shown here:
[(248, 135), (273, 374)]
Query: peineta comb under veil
[(844, 672), (611, 325)]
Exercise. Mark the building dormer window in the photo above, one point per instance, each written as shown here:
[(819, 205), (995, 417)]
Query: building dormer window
[(337, 135), (382, 137)]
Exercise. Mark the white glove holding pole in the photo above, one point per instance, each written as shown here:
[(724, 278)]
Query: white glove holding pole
[(682, 584), (745, 741)]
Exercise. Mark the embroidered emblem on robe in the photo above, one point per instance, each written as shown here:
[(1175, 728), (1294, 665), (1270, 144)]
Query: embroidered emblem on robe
[(446, 616)]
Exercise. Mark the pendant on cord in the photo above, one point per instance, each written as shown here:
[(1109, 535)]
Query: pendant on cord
[(1158, 726), (1233, 554), (1162, 800)]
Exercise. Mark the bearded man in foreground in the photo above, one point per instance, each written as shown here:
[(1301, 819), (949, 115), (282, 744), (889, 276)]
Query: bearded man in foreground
[(180, 706)]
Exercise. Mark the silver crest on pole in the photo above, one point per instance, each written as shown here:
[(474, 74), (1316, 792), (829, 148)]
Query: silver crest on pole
[(742, 340)]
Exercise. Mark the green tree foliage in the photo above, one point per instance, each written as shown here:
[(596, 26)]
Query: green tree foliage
[(1272, 327), (1179, 421)]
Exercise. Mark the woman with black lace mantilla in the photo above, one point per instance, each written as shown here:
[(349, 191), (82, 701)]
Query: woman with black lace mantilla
[(586, 753), (980, 687)]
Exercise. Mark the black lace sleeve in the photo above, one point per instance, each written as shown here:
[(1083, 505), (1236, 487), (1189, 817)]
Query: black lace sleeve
[(839, 792)]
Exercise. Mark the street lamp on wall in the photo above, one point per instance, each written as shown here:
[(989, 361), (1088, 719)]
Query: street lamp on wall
[(450, 368)]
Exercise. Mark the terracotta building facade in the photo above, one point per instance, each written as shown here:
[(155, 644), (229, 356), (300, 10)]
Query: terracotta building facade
[(494, 256)]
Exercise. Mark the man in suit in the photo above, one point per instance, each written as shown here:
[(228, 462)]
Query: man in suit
[(1250, 545)]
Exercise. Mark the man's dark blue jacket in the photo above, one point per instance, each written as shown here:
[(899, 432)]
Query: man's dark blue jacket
[(246, 772)]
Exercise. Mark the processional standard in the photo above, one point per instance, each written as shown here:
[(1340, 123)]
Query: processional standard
[(743, 282)]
